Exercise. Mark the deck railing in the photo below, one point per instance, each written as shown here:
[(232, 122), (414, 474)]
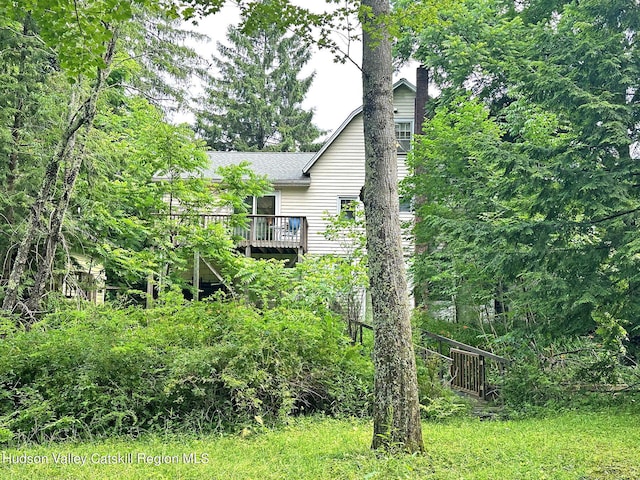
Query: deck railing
[(267, 231), (469, 365)]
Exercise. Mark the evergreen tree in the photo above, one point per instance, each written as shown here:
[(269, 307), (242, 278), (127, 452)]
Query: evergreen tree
[(533, 200), (255, 102)]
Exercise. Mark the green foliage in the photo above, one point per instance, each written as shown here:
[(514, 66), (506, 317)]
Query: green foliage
[(126, 213), (567, 373), (437, 401), (142, 197), (471, 334), (255, 102), (178, 367), (47, 106), (526, 163)]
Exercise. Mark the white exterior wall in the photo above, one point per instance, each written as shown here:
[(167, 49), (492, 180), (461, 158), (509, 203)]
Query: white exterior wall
[(339, 172)]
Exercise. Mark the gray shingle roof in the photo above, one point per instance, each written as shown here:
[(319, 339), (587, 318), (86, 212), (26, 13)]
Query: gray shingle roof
[(281, 168)]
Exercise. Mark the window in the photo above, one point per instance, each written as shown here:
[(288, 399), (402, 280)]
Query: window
[(404, 131), (405, 205), (347, 206), (266, 205)]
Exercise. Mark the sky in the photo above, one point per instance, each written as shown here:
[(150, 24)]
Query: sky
[(337, 88)]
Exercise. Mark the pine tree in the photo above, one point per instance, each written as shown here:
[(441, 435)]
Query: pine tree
[(255, 102)]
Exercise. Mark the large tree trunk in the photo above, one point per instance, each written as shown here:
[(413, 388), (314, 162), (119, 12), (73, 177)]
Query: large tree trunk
[(83, 117), (396, 414)]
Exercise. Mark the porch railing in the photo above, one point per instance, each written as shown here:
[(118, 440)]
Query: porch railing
[(267, 231)]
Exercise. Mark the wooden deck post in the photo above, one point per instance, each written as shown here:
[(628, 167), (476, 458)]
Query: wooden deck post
[(196, 275), (149, 299)]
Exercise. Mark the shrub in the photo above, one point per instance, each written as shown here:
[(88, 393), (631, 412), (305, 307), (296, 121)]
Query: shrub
[(565, 374), (437, 400), (198, 366)]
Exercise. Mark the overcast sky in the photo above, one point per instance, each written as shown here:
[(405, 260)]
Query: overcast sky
[(337, 88)]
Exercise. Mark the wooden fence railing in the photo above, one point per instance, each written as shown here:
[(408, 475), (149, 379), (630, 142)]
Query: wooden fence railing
[(263, 231), (468, 366)]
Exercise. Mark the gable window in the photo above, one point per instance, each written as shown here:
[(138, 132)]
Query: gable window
[(347, 207), (404, 131)]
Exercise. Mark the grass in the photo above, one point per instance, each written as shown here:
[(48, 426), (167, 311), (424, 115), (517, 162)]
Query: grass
[(583, 445)]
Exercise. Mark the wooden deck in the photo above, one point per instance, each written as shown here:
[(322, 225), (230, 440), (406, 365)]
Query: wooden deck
[(268, 233)]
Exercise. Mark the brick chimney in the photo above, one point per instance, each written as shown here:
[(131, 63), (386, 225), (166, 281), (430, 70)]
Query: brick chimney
[(422, 97)]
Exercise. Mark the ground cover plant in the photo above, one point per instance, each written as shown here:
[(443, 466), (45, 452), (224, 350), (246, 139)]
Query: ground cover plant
[(585, 445)]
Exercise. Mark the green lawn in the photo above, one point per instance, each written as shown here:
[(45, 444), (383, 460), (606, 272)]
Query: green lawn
[(602, 445)]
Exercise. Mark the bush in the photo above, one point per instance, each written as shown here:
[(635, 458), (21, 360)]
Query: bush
[(469, 334), (200, 366), (438, 401), (569, 373)]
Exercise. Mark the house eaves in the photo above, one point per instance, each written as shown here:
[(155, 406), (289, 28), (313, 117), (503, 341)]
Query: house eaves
[(282, 169), (339, 130)]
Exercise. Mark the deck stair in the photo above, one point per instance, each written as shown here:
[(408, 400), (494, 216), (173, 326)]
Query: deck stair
[(468, 365)]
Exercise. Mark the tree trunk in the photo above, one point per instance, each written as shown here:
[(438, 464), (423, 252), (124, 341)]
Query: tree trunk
[(16, 138), (54, 236), (35, 218), (396, 413), (82, 118)]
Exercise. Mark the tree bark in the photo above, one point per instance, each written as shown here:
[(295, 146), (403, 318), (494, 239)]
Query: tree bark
[(82, 118), (396, 413), (16, 137), (54, 236)]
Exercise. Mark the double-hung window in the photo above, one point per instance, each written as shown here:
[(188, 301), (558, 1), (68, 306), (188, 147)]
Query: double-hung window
[(347, 207), (404, 131)]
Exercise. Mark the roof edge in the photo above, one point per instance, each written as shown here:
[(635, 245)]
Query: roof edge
[(338, 131), (330, 140)]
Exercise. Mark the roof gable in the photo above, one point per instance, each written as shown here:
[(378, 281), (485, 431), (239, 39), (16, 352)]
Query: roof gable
[(402, 82)]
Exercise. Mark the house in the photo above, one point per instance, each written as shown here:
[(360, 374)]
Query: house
[(84, 279), (308, 186)]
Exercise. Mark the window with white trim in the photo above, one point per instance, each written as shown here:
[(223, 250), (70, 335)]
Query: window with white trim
[(404, 132), (347, 206)]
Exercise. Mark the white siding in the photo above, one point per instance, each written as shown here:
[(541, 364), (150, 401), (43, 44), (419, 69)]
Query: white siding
[(339, 172), (404, 102)]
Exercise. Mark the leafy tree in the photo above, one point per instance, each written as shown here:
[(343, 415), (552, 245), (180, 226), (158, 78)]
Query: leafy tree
[(553, 198), (81, 90), (396, 412), (29, 99), (255, 101)]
